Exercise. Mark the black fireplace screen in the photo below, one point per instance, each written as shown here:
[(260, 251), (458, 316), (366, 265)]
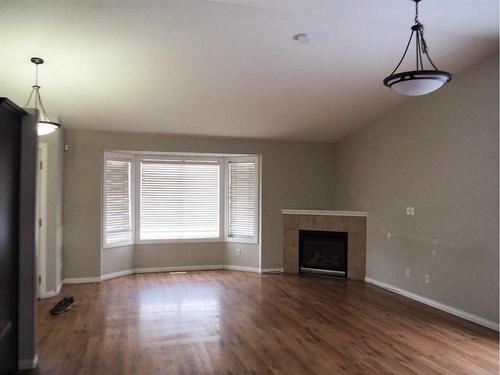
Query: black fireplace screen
[(323, 253)]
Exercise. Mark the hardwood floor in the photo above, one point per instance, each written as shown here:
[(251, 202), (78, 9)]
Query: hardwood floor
[(226, 322)]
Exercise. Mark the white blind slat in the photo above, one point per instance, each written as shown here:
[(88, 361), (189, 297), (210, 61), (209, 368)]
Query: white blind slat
[(242, 200), (179, 200), (117, 202)]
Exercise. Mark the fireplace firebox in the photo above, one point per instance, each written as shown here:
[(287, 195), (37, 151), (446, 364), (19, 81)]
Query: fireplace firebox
[(323, 253)]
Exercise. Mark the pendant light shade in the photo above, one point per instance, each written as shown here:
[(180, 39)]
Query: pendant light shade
[(44, 127), (45, 124), (420, 81)]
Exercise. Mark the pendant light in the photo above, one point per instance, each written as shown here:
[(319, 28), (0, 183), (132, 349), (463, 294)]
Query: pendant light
[(420, 81), (45, 125)]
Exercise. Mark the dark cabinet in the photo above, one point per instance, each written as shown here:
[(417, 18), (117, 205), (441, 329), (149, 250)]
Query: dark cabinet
[(11, 133)]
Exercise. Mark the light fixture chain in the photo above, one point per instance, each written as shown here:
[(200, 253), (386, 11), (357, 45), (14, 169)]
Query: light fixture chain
[(42, 108), (29, 99), (404, 54), (424, 44)]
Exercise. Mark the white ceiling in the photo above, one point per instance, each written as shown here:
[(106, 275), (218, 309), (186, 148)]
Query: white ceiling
[(228, 67)]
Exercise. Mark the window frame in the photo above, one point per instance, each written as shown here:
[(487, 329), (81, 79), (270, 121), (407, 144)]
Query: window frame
[(121, 157), (257, 197), (137, 198)]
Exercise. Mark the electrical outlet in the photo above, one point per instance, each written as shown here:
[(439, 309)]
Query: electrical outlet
[(238, 252), (410, 211), (427, 279), (407, 272)]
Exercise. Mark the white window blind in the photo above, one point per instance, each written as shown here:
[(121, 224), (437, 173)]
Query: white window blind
[(179, 199), (117, 202), (242, 200)]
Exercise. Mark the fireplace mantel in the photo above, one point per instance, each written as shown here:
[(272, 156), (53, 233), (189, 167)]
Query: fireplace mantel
[(324, 212)]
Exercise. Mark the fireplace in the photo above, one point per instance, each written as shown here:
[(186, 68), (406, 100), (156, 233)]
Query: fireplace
[(323, 253)]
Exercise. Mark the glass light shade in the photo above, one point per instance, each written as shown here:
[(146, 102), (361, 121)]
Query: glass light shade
[(46, 127), (417, 83)]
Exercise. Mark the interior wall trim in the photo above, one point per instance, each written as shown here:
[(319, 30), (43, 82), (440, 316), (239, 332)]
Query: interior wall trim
[(27, 363), (51, 293), (233, 267), (433, 303), (82, 280), (132, 271), (114, 275), (180, 268), (271, 270)]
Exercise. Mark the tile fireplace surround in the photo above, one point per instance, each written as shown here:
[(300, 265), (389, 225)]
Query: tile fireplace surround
[(352, 222)]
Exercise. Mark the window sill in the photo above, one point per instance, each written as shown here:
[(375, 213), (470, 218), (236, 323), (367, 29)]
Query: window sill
[(184, 241), (114, 246), (242, 241), (179, 240)]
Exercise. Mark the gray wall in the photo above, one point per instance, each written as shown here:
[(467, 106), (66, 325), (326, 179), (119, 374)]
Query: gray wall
[(294, 175), (438, 153), (249, 255), (117, 259), (177, 255), (54, 219)]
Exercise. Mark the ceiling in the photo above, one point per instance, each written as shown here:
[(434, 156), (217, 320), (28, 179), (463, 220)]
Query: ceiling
[(229, 67)]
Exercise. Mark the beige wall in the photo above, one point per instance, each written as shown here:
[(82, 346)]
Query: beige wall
[(178, 255), (438, 153), (249, 255), (54, 211), (117, 259), (294, 175)]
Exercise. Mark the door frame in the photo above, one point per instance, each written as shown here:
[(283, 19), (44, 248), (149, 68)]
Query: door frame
[(41, 225)]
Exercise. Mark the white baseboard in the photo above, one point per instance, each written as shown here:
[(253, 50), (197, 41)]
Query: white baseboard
[(433, 303), (271, 270), (51, 293), (241, 268), (82, 280), (113, 275), (179, 268), (27, 364)]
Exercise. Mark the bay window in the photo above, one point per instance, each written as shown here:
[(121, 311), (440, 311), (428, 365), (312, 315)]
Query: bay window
[(163, 198)]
